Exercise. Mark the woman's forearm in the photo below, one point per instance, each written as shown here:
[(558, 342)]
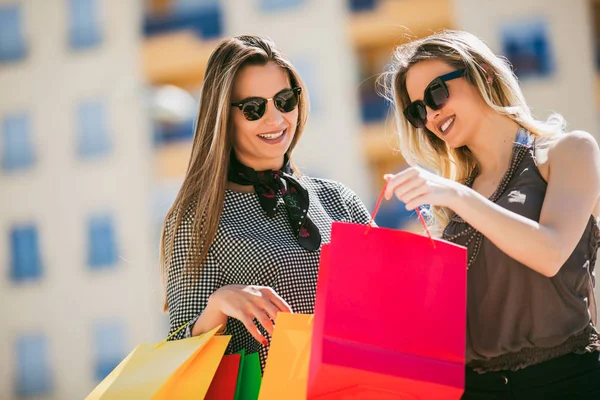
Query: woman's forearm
[(519, 237), (210, 318)]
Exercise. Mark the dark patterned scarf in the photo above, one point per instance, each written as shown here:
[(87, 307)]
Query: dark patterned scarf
[(267, 184)]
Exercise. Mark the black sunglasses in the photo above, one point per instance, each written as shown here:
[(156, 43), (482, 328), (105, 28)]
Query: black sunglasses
[(254, 108), (435, 97)]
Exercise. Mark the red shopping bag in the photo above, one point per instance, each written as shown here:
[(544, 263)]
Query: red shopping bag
[(390, 317), (223, 385)]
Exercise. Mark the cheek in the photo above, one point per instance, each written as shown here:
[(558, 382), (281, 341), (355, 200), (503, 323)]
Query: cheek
[(291, 120), (241, 128), (467, 110), (467, 100)]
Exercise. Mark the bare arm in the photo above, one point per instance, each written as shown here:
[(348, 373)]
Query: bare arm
[(573, 190)]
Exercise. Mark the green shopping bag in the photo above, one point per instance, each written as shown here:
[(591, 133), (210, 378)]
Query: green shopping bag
[(249, 377)]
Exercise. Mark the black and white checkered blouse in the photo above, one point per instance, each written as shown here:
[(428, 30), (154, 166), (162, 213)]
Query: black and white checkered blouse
[(252, 249)]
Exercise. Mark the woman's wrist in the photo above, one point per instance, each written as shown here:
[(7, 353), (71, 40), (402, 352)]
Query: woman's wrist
[(210, 318), (459, 198)]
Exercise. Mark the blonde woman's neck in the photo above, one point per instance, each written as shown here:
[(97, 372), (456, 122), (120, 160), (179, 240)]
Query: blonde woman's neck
[(493, 142)]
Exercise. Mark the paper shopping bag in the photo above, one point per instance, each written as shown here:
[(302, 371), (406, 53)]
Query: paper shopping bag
[(223, 385), (249, 378), (194, 379), (180, 368), (390, 317), (286, 371)]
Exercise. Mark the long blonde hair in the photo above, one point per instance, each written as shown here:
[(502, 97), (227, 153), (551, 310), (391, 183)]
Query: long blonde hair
[(458, 49), (203, 188)]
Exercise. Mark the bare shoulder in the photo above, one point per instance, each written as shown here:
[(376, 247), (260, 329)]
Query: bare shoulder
[(563, 148), (576, 144)]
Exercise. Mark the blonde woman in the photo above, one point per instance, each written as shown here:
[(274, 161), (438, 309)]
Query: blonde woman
[(523, 197), (243, 237)]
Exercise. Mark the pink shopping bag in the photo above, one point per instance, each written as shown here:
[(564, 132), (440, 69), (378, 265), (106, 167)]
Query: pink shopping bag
[(390, 317)]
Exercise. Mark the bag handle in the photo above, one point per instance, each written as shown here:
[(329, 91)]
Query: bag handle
[(418, 210), (165, 340)]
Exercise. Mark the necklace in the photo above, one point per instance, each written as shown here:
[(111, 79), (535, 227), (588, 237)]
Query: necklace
[(474, 236)]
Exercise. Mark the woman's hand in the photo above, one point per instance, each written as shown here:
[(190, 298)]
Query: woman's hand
[(245, 303), (414, 187), (572, 196)]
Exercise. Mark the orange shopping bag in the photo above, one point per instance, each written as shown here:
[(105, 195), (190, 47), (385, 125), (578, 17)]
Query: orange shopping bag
[(181, 369), (286, 372)]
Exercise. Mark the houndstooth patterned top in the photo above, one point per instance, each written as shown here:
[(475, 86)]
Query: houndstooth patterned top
[(253, 249)]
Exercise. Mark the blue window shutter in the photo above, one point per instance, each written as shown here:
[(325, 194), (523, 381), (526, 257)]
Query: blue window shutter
[(84, 25), (33, 375), (279, 5), (26, 262), (17, 149), (109, 347), (102, 246), (12, 40), (93, 137)]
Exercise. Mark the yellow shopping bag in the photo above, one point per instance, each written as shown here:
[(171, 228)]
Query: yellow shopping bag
[(286, 372), (181, 369)]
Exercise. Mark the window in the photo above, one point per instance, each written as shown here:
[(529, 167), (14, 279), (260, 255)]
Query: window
[(84, 26), (191, 6), (17, 149), (12, 40), (102, 246), (93, 138), (278, 5), (374, 108), (33, 366), (527, 45), (362, 5), (25, 260), (204, 17), (165, 133)]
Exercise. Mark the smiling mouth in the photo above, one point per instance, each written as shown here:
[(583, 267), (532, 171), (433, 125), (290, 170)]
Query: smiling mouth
[(446, 125), (272, 136)]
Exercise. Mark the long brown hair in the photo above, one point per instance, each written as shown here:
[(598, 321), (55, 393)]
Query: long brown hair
[(203, 190), (458, 49)]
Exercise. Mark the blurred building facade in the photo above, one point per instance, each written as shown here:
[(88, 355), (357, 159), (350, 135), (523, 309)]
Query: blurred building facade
[(79, 284), (97, 107)]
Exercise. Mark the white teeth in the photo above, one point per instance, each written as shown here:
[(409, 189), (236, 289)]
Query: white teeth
[(447, 124), (271, 136)]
